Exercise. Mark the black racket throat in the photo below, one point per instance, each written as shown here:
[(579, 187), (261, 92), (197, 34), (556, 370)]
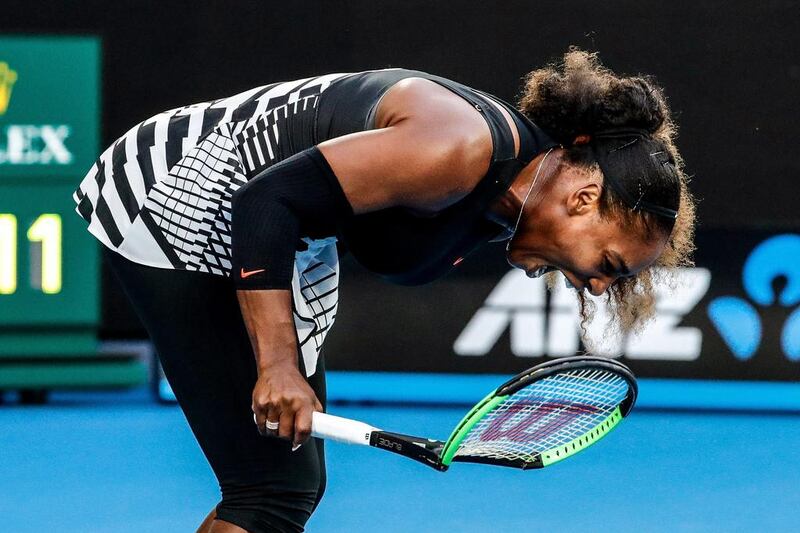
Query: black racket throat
[(425, 451)]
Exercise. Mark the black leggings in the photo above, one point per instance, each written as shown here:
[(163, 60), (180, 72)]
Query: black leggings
[(195, 324)]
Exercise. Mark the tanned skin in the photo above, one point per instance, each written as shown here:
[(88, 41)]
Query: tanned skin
[(430, 148)]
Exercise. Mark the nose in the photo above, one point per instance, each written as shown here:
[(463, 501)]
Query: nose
[(597, 286)]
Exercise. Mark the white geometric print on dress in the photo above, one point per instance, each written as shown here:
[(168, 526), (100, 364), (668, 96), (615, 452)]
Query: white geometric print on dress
[(191, 206)]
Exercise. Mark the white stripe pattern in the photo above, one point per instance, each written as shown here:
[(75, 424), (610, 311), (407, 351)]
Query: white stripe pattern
[(166, 200)]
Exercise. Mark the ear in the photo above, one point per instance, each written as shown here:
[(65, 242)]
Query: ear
[(584, 200)]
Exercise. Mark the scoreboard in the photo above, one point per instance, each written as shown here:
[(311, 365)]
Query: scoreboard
[(49, 263)]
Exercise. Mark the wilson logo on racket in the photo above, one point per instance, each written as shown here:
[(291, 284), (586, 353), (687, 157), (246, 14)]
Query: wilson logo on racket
[(531, 420), (537, 418)]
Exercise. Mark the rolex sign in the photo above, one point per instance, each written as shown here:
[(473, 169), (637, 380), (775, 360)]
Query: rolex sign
[(48, 106)]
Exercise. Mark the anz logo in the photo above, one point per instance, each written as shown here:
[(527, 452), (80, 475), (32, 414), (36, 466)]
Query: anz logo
[(738, 319), (540, 326)]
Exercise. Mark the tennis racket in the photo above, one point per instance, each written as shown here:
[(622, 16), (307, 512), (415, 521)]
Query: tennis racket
[(538, 418)]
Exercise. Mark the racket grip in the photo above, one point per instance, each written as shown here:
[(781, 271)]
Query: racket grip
[(325, 426)]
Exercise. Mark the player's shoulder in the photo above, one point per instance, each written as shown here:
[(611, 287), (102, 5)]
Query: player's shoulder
[(447, 122), (425, 99)]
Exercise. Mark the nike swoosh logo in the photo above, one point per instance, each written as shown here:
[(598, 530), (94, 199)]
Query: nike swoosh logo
[(247, 273)]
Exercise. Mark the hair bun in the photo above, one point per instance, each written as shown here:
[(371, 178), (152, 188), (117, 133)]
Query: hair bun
[(578, 96), (632, 103)]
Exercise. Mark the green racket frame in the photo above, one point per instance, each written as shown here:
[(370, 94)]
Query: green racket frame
[(548, 457), (440, 455)]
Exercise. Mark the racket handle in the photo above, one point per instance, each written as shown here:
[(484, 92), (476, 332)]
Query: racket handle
[(325, 426)]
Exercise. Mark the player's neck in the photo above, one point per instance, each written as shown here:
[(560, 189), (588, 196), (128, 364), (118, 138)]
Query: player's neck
[(506, 208)]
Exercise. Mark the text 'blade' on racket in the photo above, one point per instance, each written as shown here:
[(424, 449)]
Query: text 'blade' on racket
[(535, 419)]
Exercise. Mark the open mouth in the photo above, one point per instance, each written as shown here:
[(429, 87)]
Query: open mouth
[(541, 271)]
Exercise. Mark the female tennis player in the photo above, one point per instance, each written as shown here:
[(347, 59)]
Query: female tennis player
[(222, 220)]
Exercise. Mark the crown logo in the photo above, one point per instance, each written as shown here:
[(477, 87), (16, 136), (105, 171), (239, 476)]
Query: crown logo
[(7, 79)]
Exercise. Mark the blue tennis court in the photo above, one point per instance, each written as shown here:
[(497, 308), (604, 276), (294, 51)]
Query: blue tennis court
[(120, 462), (199, 190)]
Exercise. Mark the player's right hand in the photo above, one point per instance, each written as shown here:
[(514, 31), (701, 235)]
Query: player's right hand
[(283, 396)]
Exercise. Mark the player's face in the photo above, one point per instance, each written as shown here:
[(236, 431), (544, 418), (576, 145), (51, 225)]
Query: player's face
[(592, 252)]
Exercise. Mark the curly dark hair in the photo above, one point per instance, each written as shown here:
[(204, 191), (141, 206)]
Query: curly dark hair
[(578, 97)]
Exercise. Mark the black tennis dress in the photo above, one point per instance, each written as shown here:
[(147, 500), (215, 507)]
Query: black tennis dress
[(159, 199)]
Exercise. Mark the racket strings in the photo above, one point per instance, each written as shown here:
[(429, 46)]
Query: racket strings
[(546, 414)]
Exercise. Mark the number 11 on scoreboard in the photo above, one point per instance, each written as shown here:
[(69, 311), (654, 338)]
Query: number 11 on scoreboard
[(44, 236)]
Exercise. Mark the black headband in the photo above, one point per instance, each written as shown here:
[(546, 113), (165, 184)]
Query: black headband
[(636, 203)]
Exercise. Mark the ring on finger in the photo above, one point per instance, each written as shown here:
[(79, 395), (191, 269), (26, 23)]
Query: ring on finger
[(272, 426)]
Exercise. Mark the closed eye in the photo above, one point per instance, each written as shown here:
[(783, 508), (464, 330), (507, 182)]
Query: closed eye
[(621, 270), (608, 269)]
